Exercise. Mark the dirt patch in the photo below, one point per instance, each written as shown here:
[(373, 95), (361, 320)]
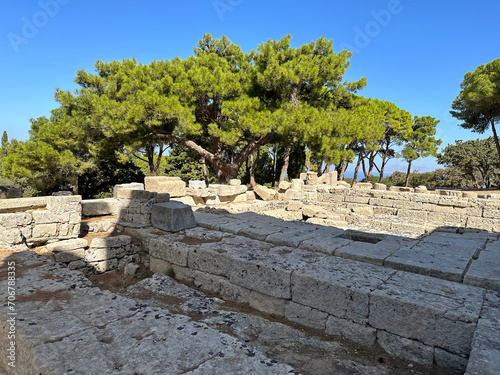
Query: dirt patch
[(117, 281), (42, 296)]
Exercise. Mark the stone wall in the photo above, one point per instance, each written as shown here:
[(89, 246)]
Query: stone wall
[(26, 222), (412, 212), (101, 255)]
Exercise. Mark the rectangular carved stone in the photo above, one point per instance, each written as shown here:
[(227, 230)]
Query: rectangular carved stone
[(340, 287), (172, 216), (433, 311)]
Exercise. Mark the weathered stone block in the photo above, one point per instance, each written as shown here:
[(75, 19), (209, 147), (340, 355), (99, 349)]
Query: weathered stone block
[(250, 195), (297, 184), (162, 184), (378, 186), (295, 205), (235, 182), (172, 216), (267, 304), (15, 220), (109, 242), (99, 207), (44, 230), (265, 193), (340, 287), (132, 185), (433, 311), (168, 249), (284, 185), (405, 348), (131, 269), (68, 245), (293, 194), (363, 186), (401, 189), (350, 330), (305, 315), (197, 184), (311, 178), (450, 193)]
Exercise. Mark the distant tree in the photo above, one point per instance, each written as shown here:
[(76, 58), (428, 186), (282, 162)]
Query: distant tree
[(186, 164), (474, 160), (478, 104), (421, 141)]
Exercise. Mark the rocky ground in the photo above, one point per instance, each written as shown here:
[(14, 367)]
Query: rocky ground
[(306, 350)]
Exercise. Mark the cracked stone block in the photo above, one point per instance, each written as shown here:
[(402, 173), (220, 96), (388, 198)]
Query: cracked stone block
[(350, 330), (433, 311), (405, 348), (340, 287), (305, 315), (162, 184)]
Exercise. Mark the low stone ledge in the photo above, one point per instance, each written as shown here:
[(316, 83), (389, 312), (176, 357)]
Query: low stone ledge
[(99, 207)]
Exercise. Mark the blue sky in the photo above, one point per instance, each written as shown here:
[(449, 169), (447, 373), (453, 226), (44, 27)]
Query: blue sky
[(413, 52)]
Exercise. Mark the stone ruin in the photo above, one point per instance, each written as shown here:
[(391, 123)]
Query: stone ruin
[(413, 272)]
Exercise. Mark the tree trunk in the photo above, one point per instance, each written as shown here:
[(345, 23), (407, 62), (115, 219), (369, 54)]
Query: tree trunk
[(252, 168), (495, 136), (356, 170), (343, 167), (205, 170), (286, 161), (308, 161), (408, 174)]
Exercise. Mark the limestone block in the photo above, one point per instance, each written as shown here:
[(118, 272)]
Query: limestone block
[(197, 184), (401, 189), (69, 256), (310, 195), (378, 186), (240, 198), (340, 287), (303, 176), (235, 182), (297, 184), (450, 361), (363, 185), (265, 193), (10, 236), (469, 194), (76, 264), (433, 311), (294, 194), (68, 245), (212, 200), (346, 328), (99, 207), (131, 269), (105, 265), (305, 315), (405, 348), (10, 191), (284, 185), (166, 248), (450, 193), (250, 195), (228, 190), (162, 184), (109, 242), (311, 178), (44, 230), (294, 206), (15, 220), (172, 216), (136, 195), (186, 200), (362, 210), (329, 179), (267, 304), (343, 184)]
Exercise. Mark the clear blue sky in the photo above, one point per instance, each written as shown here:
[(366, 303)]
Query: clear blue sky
[(413, 52)]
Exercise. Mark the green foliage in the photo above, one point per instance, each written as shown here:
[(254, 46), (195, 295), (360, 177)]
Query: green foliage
[(475, 160), (478, 104), (183, 163)]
